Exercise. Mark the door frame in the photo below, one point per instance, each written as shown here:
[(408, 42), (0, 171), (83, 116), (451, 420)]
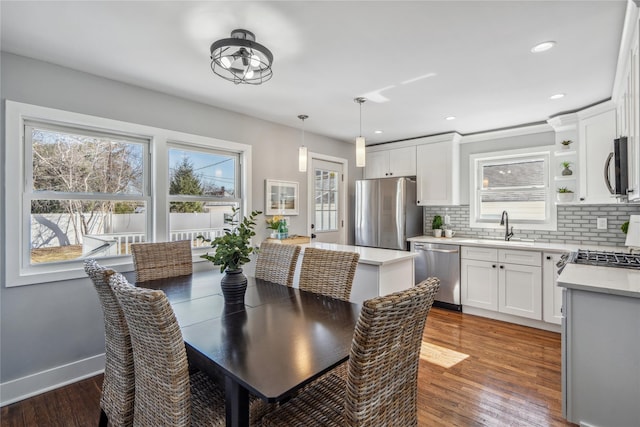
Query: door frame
[(343, 191)]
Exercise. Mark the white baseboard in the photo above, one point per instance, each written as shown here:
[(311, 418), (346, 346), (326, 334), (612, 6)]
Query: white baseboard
[(38, 383), (511, 319)]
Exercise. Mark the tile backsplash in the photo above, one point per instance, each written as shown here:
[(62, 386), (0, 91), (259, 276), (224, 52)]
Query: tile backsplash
[(576, 224)]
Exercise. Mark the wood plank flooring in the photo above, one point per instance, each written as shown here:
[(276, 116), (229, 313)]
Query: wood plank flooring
[(473, 372)]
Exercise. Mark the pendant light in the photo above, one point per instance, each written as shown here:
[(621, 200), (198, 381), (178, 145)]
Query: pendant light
[(302, 151), (360, 142)]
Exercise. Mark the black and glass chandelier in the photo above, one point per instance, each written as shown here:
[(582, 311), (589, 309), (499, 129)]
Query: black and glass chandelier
[(240, 59)]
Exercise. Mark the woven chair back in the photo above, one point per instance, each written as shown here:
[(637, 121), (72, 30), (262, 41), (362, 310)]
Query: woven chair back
[(383, 363), (162, 396), (328, 272), (118, 386), (161, 260), (277, 262)]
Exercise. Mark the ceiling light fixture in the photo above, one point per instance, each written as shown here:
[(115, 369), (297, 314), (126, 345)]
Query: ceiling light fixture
[(302, 151), (450, 118), (557, 96), (360, 142), (541, 47), (240, 59), (377, 131)]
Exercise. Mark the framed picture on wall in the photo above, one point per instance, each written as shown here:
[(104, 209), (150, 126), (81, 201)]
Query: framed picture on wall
[(281, 197)]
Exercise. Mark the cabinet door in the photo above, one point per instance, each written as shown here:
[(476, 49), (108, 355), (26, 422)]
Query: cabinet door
[(402, 161), (551, 292), (596, 142), (377, 164), (479, 282), (435, 172), (520, 290)]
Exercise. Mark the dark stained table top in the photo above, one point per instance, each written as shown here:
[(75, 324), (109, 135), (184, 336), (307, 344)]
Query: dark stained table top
[(280, 340)]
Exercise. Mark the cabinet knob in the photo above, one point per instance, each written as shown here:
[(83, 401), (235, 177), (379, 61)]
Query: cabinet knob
[(493, 266), (582, 199), (548, 257), (502, 266)]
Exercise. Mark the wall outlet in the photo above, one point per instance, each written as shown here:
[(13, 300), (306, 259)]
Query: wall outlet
[(601, 223)]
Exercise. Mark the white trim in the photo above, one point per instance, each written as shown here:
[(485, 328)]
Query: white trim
[(16, 113), (506, 133), (344, 190), (547, 151), (50, 379), (628, 33)]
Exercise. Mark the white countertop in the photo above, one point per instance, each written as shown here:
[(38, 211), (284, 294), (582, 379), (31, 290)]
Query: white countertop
[(514, 244), (608, 280), (373, 256)]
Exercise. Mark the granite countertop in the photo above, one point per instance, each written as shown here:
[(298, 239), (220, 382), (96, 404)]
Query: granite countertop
[(373, 256), (607, 280), (514, 244)]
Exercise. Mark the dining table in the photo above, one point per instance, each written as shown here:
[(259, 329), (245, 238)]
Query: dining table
[(281, 339)]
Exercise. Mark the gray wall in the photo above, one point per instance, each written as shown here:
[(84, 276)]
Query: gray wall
[(46, 325)]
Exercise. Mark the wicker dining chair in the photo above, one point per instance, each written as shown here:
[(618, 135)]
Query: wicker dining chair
[(116, 402), (161, 260), (165, 393), (277, 262), (328, 272), (382, 379)]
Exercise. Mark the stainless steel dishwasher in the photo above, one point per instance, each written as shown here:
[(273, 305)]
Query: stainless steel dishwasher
[(441, 261)]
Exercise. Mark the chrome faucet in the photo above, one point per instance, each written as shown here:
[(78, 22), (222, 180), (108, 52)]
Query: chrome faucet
[(505, 221)]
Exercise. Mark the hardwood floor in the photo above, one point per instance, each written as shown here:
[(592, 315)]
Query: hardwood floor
[(473, 372)]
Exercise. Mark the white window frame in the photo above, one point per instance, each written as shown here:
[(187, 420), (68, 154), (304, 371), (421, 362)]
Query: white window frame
[(17, 215), (475, 184)]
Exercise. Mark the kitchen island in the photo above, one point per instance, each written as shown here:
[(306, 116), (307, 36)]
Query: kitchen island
[(379, 271), (601, 345)]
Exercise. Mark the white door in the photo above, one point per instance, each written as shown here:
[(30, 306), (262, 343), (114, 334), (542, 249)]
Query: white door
[(327, 200)]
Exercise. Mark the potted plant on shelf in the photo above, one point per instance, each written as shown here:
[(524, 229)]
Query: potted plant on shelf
[(566, 143), (232, 251), (436, 226), (566, 171), (565, 195)]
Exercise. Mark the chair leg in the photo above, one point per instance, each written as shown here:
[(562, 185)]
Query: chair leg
[(103, 419)]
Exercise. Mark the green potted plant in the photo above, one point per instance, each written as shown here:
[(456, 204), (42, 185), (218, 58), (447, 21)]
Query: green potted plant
[(566, 143), (436, 226), (232, 251), (566, 171), (565, 195)]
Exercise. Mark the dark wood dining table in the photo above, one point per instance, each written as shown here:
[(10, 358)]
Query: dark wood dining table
[(280, 340)]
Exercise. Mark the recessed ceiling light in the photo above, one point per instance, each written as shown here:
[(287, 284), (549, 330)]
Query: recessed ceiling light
[(450, 118), (557, 96), (377, 131), (541, 47)]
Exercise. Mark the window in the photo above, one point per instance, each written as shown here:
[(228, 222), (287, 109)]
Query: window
[(515, 181), (326, 200), (202, 192), (90, 187), (81, 187)]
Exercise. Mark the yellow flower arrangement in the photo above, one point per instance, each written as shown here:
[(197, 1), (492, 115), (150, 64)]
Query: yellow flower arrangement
[(274, 222)]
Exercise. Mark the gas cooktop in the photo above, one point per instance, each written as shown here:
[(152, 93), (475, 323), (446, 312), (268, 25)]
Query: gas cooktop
[(605, 259)]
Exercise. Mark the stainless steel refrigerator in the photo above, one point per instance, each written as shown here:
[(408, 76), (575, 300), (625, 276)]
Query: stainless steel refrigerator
[(387, 213)]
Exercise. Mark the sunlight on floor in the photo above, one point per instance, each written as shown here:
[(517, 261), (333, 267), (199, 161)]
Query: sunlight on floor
[(440, 356)]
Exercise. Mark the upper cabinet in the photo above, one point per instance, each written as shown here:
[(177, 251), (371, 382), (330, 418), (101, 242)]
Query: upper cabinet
[(596, 132), (390, 162), (626, 95), (438, 170)]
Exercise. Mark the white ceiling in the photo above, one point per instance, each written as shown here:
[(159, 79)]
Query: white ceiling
[(473, 56)]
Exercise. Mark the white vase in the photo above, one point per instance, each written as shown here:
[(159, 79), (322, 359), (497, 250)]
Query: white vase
[(437, 233), (565, 197)]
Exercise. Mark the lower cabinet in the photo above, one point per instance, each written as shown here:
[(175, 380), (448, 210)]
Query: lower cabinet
[(504, 280)]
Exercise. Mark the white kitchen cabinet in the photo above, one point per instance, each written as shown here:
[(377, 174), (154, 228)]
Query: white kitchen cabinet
[(385, 163), (438, 171), (479, 281), (551, 292), (597, 130), (503, 280)]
